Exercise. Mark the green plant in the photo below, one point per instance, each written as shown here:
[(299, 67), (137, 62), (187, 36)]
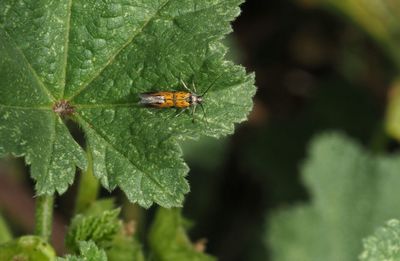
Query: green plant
[(353, 189), (352, 193), (66, 63)]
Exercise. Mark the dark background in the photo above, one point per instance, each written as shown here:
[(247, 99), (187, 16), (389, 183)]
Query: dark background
[(315, 71)]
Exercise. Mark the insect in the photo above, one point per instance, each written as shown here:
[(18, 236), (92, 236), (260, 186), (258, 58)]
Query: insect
[(175, 99)]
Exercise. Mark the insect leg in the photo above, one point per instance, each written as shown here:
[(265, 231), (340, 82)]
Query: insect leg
[(182, 111), (193, 111), (194, 87), (184, 85)]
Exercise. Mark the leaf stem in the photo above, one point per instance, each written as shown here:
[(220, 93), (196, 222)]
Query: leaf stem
[(44, 216), (88, 189), (5, 234)]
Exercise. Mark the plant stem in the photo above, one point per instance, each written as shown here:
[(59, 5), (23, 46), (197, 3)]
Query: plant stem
[(88, 187), (44, 216), (5, 234)]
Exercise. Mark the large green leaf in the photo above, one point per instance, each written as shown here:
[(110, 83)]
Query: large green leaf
[(88, 61), (352, 193)]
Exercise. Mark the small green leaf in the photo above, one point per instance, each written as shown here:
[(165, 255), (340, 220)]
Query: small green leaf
[(88, 62), (169, 241), (89, 252), (352, 193), (29, 248), (384, 244), (101, 228)]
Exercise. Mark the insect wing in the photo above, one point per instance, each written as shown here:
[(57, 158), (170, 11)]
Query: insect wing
[(183, 99), (151, 99)]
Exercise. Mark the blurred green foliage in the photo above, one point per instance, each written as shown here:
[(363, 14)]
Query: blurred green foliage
[(381, 20), (99, 226), (88, 252), (352, 190), (393, 111), (30, 248), (383, 244), (352, 193), (5, 233), (169, 241)]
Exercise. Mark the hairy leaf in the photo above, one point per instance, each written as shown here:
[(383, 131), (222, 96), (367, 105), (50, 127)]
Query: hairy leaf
[(100, 228), (169, 241), (88, 61), (89, 252), (384, 244), (352, 193), (30, 248)]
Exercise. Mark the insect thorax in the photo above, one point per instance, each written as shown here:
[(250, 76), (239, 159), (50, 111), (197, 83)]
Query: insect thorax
[(196, 99)]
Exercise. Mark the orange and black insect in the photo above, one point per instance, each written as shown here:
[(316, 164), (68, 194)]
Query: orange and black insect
[(174, 99)]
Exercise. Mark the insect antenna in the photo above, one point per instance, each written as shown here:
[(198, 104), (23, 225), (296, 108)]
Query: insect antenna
[(211, 85)]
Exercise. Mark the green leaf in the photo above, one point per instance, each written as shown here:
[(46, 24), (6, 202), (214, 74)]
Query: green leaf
[(30, 248), (88, 61), (29, 128), (89, 252), (352, 193), (384, 244), (169, 241), (100, 227)]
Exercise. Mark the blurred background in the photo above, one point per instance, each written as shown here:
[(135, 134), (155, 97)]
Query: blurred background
[(320, 65)]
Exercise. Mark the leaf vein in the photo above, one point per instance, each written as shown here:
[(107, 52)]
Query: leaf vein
[(80, 117), (112, 58), (34, 73), (66, 46), (39, 108)]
